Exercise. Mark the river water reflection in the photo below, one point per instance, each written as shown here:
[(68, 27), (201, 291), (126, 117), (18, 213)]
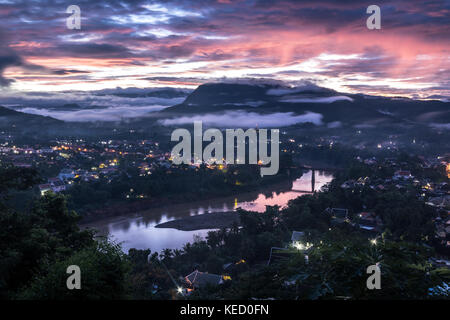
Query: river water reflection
[(138, 230)]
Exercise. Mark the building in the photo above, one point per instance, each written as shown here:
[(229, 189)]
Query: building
[(199, 279), (22, 165), (43, 188), (57, 185), (297, 236), (66, 174), (402, 175), (441, 202), (369, 221), (338, 215)]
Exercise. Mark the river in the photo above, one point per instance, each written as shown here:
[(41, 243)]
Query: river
[(138, 230)]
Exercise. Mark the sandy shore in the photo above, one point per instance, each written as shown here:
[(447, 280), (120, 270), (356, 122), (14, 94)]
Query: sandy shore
[(215, 220)]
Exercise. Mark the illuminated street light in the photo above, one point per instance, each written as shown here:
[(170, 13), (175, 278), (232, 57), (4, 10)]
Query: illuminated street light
[(301, 246)]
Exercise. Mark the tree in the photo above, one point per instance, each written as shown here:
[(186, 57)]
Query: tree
[(103, 273)]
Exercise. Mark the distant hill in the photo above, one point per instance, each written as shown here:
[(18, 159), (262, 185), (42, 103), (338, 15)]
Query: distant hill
[(20, 117), (24, 123), (28, 128), (334, 106)]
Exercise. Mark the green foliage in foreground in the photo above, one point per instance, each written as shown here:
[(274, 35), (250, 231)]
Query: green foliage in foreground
[(37, 246), (103, 266), (337, 270)]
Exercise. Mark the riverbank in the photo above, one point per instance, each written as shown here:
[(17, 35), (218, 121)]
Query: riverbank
[(137, 230), (284, 182), (215, 220)]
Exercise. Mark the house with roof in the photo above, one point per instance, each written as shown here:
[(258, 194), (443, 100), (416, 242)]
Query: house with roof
[(228, 266), (402, 175), (297, 244), (44, 188), (441, 202), (348, 184), (297, 236), (231, 267), (57, 185), (278, 253), (66, 174), (45, 150), (338, 215), (199, 279), (369, 221)]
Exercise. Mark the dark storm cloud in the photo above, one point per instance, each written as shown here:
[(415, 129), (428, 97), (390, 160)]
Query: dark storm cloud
[(95, 50), (8, 59), (228, 34), (127, 21)]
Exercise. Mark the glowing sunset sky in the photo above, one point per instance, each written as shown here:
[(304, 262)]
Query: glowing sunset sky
[(186, 43)]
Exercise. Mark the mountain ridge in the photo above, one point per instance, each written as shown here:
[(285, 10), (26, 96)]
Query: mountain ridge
[(333, 105)]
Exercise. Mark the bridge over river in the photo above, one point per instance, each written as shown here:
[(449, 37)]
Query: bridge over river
[(314, 170)]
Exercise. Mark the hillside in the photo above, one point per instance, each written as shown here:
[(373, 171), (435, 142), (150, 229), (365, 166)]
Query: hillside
[(355, 109), (29, 124), (17, 117)]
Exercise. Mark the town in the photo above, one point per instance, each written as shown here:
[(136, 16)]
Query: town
[(213, 153), (378, 197)]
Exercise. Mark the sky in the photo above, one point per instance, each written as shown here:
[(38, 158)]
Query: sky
[(179, 43)]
